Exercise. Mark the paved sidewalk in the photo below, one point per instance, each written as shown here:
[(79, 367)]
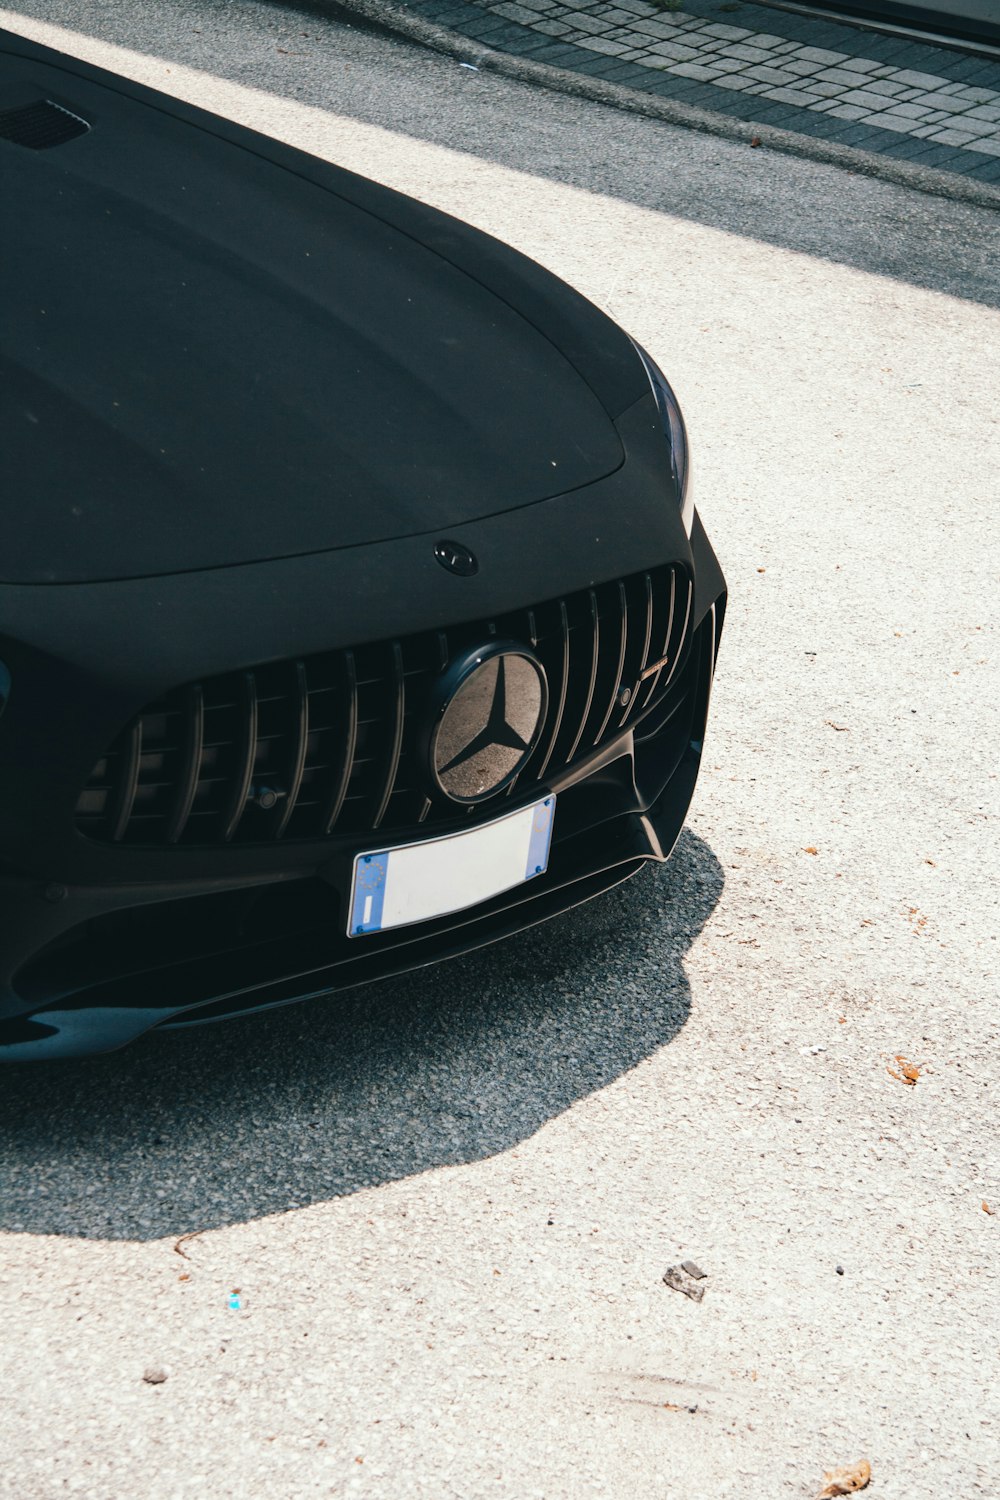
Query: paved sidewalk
[(932, 106)]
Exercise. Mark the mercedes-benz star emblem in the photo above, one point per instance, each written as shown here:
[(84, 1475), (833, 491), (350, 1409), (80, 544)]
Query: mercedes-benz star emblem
[(488, 711), (456, 558)]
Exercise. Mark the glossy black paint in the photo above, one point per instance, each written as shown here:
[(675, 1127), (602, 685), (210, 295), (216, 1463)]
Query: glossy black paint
[(168, 577), (456, 559), (249, 374)]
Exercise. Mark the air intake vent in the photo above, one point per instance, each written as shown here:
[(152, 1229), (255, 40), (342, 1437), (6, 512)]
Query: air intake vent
[(331, 744), (40, 125)]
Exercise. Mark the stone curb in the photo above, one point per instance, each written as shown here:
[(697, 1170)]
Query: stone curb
[(397, 19)]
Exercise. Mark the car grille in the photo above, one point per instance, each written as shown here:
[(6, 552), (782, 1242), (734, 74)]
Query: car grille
[(331, 744)]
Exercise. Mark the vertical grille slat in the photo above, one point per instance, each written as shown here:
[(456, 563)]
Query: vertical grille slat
[(616, 685), (560, 704), (128, 780), (653, 680), (300, 742), (246, 750), (595, 651), (396, 733), (187, 782), (442, 657), (679, 635), (637, 654), (348, 744), (337, 736), (644, 657)]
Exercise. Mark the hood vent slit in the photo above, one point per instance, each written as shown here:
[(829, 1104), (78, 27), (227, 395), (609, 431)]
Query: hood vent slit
[(40, 125)]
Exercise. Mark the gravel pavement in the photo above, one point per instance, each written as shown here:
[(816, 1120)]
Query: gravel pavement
[(428, 1221)]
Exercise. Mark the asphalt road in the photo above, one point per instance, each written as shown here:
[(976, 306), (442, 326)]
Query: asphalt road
[(447, 1202)]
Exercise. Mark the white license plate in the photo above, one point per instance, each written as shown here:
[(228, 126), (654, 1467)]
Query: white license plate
[(415, 882)]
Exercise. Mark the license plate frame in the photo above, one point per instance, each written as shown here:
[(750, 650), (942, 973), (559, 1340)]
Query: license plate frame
[(403, 884)]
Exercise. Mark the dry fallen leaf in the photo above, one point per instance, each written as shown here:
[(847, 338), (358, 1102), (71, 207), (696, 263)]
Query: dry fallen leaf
[(987, 1210), (674, 1278), (908, 1072), (846, 1481), (810, 849)]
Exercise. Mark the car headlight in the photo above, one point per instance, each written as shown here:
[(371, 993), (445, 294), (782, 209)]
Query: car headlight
[(673, 426)]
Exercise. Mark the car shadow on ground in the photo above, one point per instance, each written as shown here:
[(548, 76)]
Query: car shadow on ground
[(198, 1129)]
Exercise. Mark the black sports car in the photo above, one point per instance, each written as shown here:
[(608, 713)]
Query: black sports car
[(354, 609)]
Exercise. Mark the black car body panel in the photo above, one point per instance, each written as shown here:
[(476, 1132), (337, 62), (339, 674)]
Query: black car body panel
[(180, 426), (320, 438)]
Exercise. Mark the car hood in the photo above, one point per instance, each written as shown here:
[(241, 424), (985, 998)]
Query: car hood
[(219, 350)]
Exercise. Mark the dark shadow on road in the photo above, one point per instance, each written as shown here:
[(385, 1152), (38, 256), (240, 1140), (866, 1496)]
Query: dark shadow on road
[(800, 205), (199, 1129)]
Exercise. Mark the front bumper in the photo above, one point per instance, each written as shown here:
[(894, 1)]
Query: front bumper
[(92, 967)]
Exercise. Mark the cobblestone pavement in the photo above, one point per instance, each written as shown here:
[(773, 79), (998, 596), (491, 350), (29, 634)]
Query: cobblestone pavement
[(935, 106)]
